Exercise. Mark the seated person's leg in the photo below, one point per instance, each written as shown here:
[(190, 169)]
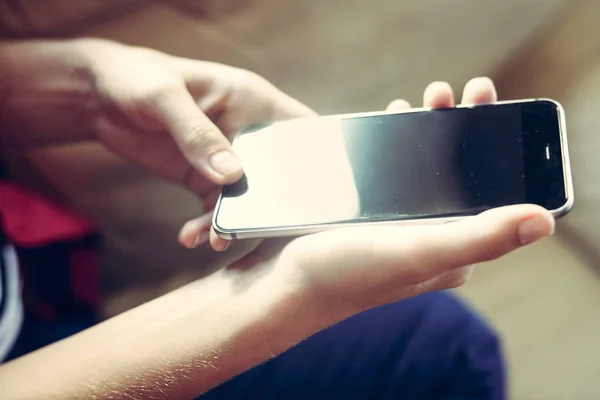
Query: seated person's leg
[(428, 347)]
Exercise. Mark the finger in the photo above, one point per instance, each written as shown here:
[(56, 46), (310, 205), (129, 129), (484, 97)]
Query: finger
[(217, 242), (398, 105), (438, 95), (485, 237), (402, 256), (152, 151), (482, 238), (196, 232), (285, 107), (479, 91), (218, 85), (263, 102), (201, 142), (446, 280)]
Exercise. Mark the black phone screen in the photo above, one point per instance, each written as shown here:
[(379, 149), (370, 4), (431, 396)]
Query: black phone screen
[(427, 164)]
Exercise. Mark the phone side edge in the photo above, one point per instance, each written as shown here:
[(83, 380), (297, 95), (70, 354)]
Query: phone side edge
[(566, 161), (272, 232), (222, 233)]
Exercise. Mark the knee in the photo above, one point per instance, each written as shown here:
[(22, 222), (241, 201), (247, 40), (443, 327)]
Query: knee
[(448, 342), (473, 350)]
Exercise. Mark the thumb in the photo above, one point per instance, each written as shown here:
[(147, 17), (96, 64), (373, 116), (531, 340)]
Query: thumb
[(391, 257), (200, 141)]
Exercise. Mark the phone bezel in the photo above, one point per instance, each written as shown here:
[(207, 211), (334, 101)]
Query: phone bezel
[(278, 231)]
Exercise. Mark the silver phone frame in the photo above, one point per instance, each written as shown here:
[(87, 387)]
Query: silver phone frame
[(271, 232)]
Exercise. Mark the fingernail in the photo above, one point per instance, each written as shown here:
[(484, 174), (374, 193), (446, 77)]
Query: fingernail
[(225, 163), (224, 246), (535, 228), (220, 244)]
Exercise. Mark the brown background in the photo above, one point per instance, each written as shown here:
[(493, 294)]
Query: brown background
[(350, 55)]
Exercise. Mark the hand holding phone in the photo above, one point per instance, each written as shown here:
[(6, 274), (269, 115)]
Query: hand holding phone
[(354, 268)]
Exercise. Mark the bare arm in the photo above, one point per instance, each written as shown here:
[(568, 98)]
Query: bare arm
[(194, 338), (176, 346), (46, 93), (189, 341)]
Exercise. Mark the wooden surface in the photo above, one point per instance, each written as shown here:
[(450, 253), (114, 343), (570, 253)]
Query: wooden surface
[(32, 18), (544, 301), (564, 63)]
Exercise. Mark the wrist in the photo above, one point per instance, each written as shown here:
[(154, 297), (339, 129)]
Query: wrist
[(279, 307), (47, 91), (181, 344), (252, 316)]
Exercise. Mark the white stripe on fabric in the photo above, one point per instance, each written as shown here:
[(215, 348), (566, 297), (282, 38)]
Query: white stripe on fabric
[(12, 318)]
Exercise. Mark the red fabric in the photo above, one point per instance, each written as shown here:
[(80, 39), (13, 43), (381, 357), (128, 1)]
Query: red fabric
[(58, 262), (29, 220), (85, 276)]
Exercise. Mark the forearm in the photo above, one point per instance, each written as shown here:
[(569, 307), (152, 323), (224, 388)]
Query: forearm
[(177, 346), (46, 91)]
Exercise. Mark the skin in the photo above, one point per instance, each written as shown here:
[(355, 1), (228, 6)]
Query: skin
[(172, 116)]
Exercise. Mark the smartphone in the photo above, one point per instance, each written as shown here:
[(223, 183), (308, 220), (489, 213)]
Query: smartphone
[(421, 166)]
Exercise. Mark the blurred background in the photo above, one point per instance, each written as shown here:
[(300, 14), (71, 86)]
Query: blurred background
[(356, 55)]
